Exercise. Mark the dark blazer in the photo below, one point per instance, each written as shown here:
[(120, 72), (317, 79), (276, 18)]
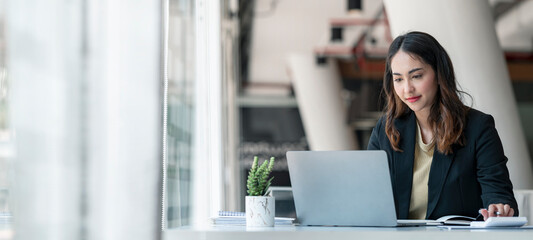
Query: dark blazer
[(472, 177)]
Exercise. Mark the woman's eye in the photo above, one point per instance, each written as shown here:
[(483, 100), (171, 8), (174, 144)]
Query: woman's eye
[(397, 79), (417, 76)]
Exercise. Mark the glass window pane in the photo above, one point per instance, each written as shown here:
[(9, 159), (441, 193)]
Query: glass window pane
[(180, 112), (6, 142)]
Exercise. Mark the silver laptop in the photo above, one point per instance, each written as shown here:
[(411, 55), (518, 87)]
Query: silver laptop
[(343, 188)]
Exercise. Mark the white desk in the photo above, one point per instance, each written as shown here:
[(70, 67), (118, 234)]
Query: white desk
[(334, 233)]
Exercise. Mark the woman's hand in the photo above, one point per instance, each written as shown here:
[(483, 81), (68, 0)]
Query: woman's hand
[(497, 210)]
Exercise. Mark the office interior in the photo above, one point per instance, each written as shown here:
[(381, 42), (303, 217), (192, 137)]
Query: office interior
[(122, 120)]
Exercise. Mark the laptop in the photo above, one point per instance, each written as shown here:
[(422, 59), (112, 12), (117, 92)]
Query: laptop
[(344, 188)]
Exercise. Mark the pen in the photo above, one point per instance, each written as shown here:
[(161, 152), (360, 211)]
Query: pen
[(497, 212)]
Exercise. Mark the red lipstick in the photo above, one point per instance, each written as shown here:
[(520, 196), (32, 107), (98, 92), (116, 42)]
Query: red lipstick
[(413, 99)]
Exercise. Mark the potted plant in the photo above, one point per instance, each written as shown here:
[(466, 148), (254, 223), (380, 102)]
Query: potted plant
[(260, 209)]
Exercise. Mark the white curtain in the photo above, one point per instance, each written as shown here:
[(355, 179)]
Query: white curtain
[(86, 109)]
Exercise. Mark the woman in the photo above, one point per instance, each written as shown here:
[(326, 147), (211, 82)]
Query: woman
[(445, 158)]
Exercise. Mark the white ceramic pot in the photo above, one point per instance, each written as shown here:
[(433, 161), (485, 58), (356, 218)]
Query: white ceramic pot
[(260, 211)]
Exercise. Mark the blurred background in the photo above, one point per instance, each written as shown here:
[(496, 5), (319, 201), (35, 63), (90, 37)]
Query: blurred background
[(119, 119)]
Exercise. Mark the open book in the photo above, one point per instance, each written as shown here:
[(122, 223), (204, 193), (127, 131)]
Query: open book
[(446, 220), (455, 220)]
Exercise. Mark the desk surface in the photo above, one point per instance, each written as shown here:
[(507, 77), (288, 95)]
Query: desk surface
[(296, 232)]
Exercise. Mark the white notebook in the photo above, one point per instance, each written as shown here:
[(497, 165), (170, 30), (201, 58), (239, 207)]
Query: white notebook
[(500, 222)]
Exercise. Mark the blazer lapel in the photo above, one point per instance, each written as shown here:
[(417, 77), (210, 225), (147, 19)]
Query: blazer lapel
[(403, 164), (437, 176)]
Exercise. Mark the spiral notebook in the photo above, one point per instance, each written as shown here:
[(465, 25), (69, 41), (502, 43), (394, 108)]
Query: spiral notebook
[(239, 218)]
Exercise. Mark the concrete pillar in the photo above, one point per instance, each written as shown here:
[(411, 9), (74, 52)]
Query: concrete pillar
[(466, 31), (318, 92)]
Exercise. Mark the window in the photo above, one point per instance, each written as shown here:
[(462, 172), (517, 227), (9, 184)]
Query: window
[(180, 112)]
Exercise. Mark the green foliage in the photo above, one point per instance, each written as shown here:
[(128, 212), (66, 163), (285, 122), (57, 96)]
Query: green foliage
[(258, 181)]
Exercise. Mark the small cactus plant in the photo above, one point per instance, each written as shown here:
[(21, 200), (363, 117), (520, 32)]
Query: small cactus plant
[(258, 181)]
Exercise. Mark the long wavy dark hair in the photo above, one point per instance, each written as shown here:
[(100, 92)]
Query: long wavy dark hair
[(447, 116)]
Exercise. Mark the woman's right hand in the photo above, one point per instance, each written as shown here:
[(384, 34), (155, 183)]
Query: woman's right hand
[(497, 210)]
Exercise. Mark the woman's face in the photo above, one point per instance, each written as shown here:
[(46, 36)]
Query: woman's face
[(414, 82)]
